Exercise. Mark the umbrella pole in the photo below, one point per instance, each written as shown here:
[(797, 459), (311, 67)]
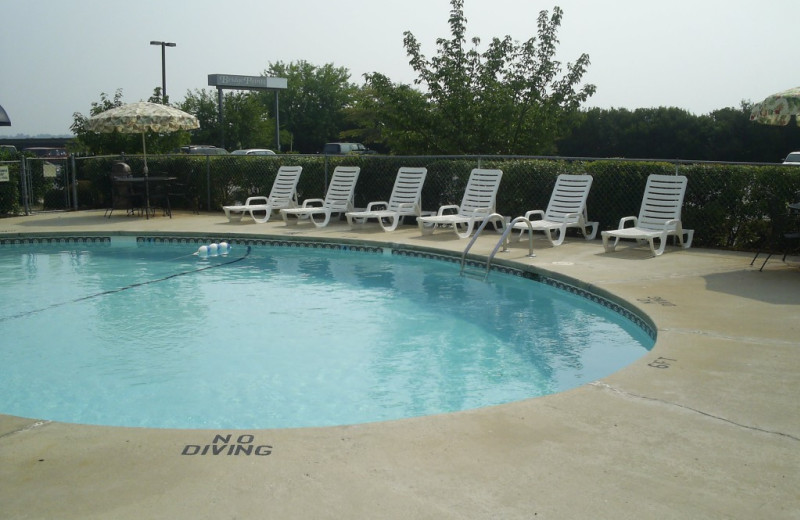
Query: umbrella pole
[(146, 182)]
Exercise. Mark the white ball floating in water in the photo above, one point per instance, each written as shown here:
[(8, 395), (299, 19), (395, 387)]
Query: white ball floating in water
[(224, 248), (202, 251), (212, 249)]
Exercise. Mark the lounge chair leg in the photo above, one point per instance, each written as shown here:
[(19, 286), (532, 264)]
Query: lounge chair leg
[(464, 234), (391, 225), (689, 236), (609, 248), (426, 229), (234, 216), (559, 239), (324, 220), (593, 226), (662, 244)]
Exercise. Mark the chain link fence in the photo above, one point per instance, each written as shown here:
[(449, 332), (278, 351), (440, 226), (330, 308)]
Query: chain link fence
[(32, 184), (730, 205)]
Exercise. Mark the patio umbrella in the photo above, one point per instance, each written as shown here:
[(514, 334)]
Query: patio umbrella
[(778, 109), (135, 118), (4, 119)]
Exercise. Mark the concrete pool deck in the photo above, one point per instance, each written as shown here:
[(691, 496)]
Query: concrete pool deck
[(706, 425)]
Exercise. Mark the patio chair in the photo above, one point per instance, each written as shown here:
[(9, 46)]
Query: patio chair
[(784, 233), (659, 216), (403, 202), (122, 194), (478, 203), (566, 209), (338, 199), (282, 195)]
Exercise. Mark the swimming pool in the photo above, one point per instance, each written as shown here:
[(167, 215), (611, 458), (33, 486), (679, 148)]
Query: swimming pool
[(279, 334)]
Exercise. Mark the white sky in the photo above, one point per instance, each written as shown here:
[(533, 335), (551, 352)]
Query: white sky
[(57, 56)]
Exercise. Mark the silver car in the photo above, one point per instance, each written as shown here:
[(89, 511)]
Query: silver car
[(253, 151), (792, 158)]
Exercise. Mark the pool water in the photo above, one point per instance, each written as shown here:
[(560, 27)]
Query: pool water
[(275, 337)]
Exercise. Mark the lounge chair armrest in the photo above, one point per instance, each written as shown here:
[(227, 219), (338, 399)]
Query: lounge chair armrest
[(480, 212), (255, 200), (313, 202), (372, 205), (529, 214), (625, 220), (451, 207), (673, 224)]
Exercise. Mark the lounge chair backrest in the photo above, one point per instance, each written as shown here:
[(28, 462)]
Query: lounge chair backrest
[(568, 197), (342, 188), (284, 189), (407, 189), (663, 198), (481, 192)]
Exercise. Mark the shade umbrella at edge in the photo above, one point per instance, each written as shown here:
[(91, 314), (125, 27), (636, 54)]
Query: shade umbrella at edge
[(778, 109)]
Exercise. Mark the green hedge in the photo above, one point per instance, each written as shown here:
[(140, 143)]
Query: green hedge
[(730, 206)]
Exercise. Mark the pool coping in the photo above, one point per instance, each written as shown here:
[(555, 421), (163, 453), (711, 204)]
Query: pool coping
[(705, 426)]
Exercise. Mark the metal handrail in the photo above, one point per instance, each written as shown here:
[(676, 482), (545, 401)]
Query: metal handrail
[(493, 216), (509, 226), (509, 229)]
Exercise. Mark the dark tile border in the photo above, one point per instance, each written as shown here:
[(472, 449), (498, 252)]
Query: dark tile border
[(19, 241)]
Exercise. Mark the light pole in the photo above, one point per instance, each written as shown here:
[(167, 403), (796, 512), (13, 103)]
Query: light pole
[(164, 45)]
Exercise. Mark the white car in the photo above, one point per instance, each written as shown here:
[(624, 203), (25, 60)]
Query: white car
[(253, 151), (792, 158)]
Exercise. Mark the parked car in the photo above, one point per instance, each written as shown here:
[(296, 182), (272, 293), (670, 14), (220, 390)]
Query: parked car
[(43, 151), (253, 151), (345, 149), (203, 149), (792, 158)]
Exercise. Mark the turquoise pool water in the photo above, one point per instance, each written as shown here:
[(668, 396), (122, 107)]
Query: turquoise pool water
[(274, 337)]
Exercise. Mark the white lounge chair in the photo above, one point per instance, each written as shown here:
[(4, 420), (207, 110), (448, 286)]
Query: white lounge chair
[(477, 204), (338, 199), (566, 209), (659, 217), (403, 202), (282, 195)]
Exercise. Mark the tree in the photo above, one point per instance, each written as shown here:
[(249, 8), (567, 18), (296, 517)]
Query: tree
[(387, 117), (312, 106), (673, 133), (202, 104), (245, 119), (510, 99)]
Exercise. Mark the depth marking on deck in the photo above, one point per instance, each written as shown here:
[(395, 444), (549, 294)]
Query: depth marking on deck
[(656, 299)]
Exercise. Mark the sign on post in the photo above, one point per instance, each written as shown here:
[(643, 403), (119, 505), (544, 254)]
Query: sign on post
[(237, 82)]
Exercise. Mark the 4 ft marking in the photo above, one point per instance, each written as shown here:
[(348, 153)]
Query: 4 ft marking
[(662, 362)]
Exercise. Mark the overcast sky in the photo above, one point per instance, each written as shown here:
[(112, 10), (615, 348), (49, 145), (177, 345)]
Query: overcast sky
[(58, 56)]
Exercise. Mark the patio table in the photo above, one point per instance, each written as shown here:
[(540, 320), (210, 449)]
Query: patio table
[(147, 180)]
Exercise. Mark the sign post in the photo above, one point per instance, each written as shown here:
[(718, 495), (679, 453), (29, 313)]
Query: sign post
[(231, 81)]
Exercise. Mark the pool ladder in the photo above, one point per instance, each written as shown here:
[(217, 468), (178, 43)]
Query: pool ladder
[(508, 227)]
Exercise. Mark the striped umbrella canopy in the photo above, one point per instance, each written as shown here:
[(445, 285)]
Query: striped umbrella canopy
[(138, 118), (778, 109), (4, 119)]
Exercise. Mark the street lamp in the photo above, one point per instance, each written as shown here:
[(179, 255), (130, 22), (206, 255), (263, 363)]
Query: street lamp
[(164, 45)]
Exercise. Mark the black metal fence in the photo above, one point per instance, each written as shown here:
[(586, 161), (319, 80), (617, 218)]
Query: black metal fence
[(730, 205)]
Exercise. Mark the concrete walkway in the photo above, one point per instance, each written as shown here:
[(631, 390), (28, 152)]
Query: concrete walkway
[(707, 425)]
